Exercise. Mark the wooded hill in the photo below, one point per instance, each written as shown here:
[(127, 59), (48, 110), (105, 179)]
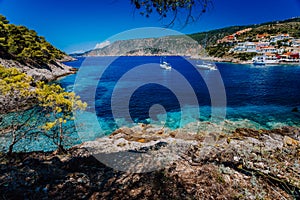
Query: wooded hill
[(24, 45)]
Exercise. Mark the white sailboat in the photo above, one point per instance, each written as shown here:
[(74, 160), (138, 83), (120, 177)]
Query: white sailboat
[(206, 65), (164, 64)]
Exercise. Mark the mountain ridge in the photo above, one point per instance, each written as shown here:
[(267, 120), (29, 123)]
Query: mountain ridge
[(204, 39)]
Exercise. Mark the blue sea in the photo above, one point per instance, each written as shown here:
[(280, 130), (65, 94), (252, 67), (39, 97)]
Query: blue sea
[(125, 91)]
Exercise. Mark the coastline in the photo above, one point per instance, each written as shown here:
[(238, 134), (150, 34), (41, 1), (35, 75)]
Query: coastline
[(246, 163), (48, 73), (237, 61), (193, 57)]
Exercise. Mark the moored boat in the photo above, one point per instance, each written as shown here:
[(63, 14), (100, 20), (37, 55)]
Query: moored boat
[(206, 66), (267, 59), (165, 65)]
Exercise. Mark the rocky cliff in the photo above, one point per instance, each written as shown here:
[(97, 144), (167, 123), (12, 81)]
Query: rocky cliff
[(45, 72)]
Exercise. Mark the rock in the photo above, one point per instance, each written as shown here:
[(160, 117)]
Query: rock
[(46, 73), (45, 189), (295, 109), (290, 141), (56, 161), (236, 158), (142, 140), (173, 134), (240, 170), (80, 180), (121, 144), (227, 179), (259, 165)]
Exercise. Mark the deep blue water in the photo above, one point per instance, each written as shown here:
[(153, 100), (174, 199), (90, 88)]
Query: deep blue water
[(256, 97), (122, 91)]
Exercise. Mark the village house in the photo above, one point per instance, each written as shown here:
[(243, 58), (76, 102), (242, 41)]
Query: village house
[(289, 57), (281, 50), (295, 43), (227, 39), (232, 38), (274, 39), (262, 44), (268, 49), (262, 36), (245, 47)]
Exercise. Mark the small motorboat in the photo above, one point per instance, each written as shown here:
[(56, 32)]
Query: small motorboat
[(206, 66)]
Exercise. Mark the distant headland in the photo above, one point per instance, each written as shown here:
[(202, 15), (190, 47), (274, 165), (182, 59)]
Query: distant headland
[(271, 42)]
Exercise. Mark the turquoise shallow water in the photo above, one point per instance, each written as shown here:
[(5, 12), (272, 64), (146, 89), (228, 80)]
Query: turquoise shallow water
[(127, 92), (263, 96)]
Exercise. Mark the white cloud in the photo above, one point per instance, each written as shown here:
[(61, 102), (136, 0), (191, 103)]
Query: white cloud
[(102, 44)]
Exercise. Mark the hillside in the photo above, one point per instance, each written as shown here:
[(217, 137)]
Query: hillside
[(172, 45), (281, 36), (180, 45), (26, 50), (210, 37)]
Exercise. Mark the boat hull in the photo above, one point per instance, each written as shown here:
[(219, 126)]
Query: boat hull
[(206, 67)]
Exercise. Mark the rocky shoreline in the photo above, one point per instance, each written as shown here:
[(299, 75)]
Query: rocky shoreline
[(46, 73), (247, 164)]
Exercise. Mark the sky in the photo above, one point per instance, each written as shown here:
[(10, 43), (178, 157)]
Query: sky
[(75, 25)]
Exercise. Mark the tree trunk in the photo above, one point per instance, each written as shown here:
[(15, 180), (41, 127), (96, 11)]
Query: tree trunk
[(10, 148), (12, 144), (60, 146)]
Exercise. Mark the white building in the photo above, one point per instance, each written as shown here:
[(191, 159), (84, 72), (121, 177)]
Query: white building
[(245, 47), (279, 37), (295, 43), (271, 50), (250, 47)]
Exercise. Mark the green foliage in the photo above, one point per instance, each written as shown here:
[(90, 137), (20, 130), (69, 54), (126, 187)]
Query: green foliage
[(25, 45), (61, 105), (12, 80), (192, 8), (292, 28), (219, 50), (245, 56), (210, 38), (51, 100)]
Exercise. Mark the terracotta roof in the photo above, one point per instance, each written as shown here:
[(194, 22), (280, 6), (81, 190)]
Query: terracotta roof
[(270, 54)]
